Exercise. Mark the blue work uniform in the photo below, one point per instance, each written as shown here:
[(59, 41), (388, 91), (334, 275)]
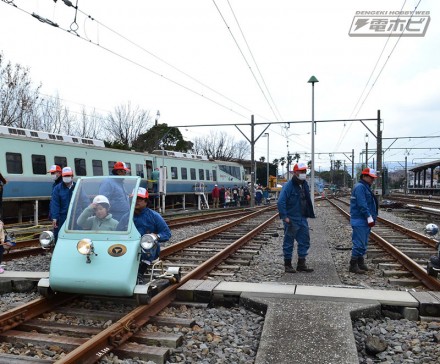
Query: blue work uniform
[(59, 204), (113, 189), (363, 204), (148, 222), (54, 184), (295, 203)]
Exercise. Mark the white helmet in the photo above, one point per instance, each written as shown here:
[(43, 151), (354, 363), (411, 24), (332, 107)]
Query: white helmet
[(101, 199), (431, 229)]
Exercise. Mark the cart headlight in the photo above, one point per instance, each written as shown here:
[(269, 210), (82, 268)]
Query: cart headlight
[(148, 241), (46, 239), (85, 246)]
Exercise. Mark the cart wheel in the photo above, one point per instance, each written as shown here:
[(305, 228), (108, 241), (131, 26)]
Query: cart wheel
[(431, 271), (46, 292), (177, 276), (143, 299)]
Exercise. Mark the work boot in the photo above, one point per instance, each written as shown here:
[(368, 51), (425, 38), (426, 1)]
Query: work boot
[(302, 267), (361, 264), (288, 266), (354, 266)]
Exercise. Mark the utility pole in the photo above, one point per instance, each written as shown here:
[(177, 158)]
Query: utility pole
[(380, 181), (406, 176), (252, 162), (353, 177)]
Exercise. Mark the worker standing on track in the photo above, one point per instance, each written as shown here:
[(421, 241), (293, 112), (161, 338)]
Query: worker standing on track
[(60, 200), (363, 215), (295, 206)]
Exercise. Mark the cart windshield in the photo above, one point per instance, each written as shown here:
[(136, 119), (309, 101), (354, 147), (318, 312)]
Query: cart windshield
[(102, 204)]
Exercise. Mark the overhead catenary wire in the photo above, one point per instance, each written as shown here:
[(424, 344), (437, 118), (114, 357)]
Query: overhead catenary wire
[(245, 59), (256, 64), (160, 59), (344, 132), (109, 50)]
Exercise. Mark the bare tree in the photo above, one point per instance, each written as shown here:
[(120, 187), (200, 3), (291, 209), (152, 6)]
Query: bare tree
[(125, 124), (18, 99), (221, 146), (51, 111), (90, 125), (242, 150)]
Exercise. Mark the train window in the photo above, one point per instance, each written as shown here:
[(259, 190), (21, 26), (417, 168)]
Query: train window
[(140, 170), (60, 137), (231, 170), (14, 163), (51, 136), (21, 132), (34, 134), (184, 173), (192, 172), (39, 164), (75, 140), (12, 131), (174, 174), (80, 167), (214, 175), (201, 174), (207, 175), (128, 165), (97, 167), (60, 161), (110, 167)]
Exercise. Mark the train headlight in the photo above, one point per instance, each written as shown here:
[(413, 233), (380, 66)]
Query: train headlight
[(46, 239), (148, 241), (85, 247)]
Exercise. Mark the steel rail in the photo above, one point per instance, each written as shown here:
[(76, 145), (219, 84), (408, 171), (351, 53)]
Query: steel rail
[(16, 316), (415, 268), (115, 335)]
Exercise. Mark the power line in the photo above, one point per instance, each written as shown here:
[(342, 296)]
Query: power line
[(256, 64), (74, 32), (344, 134), (245, 60)]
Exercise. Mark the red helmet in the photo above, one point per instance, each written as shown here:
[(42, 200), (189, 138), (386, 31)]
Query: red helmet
[(300, 167), (369, 172), (121, 166)]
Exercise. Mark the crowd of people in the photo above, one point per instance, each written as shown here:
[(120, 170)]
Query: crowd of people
[(237, 196)]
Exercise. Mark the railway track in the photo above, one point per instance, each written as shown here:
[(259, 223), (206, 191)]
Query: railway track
[(406, 251), (28, 243), (202, 255)]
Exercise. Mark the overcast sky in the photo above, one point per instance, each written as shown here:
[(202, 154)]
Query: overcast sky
[(219, 62)]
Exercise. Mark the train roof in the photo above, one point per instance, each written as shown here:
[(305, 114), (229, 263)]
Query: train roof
[(172, 153), (34, 134)]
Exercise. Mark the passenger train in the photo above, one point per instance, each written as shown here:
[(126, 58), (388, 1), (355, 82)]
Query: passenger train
[(26, 156)]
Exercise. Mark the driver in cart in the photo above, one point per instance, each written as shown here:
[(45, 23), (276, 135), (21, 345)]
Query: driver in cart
[(147, 221)]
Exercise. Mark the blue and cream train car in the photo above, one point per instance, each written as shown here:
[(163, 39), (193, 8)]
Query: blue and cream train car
[(26, 156)]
